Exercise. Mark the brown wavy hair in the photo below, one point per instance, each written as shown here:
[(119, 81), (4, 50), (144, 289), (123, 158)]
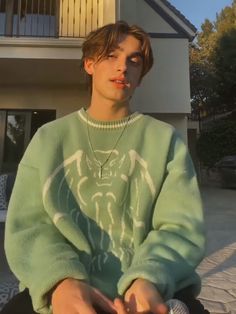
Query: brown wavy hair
[(100, 42)]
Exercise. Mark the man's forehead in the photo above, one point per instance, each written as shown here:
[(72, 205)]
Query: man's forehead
[(133, 45)]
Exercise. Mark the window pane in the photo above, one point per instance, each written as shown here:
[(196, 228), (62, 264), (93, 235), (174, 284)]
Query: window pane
[(14, 141), (2, 23), (37, 18), (2, 16), (15, 137), (28, 18)]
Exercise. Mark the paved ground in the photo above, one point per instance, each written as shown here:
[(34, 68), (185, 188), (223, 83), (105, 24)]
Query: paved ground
[(8, 284), (218, 269)]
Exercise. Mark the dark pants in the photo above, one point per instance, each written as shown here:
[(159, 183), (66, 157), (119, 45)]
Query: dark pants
[(21, 303)]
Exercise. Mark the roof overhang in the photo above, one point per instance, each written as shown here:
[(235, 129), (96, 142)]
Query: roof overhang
[(183, 27)]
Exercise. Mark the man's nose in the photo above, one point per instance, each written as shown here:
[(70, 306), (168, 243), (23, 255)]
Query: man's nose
[(122, 65)]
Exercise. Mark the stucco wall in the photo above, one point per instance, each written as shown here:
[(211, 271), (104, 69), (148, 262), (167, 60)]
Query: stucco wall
[(166, 87), (150, 20), (127, 11), (165, 91), (63, 100), (179, 121)]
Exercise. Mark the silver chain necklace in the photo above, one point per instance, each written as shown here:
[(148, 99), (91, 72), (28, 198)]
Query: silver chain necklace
[(102, 164)]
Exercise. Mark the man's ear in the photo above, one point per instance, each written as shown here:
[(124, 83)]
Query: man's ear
[(89, 66)]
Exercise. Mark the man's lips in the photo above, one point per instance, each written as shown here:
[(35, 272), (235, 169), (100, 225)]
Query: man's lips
[(120, 82)]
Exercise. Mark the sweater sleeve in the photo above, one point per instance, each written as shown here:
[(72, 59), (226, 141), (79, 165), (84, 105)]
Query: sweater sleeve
[(175, 245), (37, 252)]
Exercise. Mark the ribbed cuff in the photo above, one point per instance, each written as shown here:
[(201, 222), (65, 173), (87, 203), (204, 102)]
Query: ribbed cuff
[(150, 271)]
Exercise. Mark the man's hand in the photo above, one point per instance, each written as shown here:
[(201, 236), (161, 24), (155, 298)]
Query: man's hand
[(143, 297), (73, 296)]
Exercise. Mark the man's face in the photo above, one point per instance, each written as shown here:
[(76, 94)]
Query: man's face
[(115, 77)]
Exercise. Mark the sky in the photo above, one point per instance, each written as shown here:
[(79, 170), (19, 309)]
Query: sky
[(196, 11)]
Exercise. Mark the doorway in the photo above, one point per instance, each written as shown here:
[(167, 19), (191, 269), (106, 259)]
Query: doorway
[(17, 127)]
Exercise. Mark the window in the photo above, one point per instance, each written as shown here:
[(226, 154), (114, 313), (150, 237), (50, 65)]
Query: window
[(17, 127), (38, 18)]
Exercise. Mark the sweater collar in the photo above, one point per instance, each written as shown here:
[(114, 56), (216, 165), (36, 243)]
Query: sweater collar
[(113, 124)]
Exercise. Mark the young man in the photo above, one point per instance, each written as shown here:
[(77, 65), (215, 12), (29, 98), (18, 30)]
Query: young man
[(105, 214)]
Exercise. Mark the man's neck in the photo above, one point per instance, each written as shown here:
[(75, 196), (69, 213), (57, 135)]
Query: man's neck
[(108, 112)]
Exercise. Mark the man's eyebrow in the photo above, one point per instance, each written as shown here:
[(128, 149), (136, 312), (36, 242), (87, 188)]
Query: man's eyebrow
[(137, 54), (133, 54)]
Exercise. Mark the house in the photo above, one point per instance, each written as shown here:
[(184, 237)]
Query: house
[(40, 59)]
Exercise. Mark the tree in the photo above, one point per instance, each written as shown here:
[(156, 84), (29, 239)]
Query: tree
[(203, 81), (225, 65), (202, 72), (213, 64)]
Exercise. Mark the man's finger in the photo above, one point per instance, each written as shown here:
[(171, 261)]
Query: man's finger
[(102, 301), (159, 309), (120, 306)]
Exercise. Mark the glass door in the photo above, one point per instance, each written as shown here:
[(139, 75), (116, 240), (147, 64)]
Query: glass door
[(17, 136), (17, 127)]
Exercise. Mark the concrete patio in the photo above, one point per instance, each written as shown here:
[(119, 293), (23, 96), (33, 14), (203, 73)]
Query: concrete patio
[(218, 269)]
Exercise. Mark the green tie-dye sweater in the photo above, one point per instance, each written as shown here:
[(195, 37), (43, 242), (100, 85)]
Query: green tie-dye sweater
[(141, 219)]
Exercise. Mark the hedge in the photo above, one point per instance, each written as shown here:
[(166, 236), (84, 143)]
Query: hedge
[(216, 142)]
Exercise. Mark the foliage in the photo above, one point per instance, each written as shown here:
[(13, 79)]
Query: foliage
[(203, 82), (225, 62), (216, 142), (213, 65)]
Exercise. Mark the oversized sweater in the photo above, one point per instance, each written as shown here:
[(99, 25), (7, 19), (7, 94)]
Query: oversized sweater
[(141, 218)]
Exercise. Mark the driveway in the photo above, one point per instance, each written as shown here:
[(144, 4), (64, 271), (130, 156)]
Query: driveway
[(218, 269)]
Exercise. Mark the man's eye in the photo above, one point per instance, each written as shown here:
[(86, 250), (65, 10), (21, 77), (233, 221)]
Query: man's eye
[(111, 55), (136, 60)]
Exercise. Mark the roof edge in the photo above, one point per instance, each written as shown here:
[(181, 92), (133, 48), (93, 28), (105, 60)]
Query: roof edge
[(180, 15), (158, 9)]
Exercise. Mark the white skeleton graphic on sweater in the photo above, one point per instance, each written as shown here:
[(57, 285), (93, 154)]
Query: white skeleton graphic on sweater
[(97, 204)]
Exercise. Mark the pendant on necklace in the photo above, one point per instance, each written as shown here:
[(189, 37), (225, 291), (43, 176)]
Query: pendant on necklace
[(100, 172)]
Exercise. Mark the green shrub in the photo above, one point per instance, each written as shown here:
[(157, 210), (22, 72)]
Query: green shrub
[(218, 141)]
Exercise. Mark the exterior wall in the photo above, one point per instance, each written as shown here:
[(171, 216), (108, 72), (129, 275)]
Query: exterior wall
[(127, 11), (63, 100), (188, 131), (166, 88), (165, 92), (151, 21), (38, 48), (179, 121)]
